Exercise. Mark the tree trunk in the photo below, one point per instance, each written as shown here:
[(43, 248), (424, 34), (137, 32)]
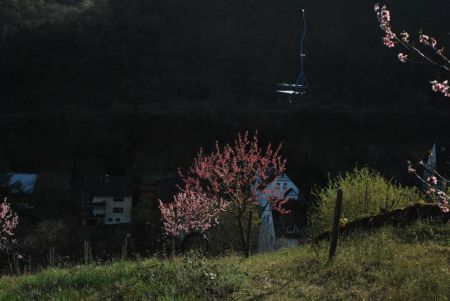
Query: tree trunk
[(242, 232), (249, 234)]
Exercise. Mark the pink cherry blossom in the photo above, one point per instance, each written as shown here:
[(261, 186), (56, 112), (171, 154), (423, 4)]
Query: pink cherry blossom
[(402, 57), (432, 180), (388, 40), (404, 36), (8, 222), (189, 212), (442, 87), (423, 39)]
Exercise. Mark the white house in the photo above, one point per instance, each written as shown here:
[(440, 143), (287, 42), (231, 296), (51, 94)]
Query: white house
[(110, 201), (283, 188)]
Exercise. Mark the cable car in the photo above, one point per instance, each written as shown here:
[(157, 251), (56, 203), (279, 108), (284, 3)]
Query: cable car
[(294, 91)]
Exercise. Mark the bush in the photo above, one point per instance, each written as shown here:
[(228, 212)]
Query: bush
[(365, 193)]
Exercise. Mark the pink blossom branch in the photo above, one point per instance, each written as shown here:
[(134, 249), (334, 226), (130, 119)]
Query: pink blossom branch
[(8, 223), (391, 39), (433, 191), (433, 171)]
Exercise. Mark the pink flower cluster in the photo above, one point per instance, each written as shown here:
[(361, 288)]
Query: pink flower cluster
[(441, 197), (443, 200), (189, 212), (441, 87), (402, 57), (8, 222), (384, 19), (427, 40), (404, 36)]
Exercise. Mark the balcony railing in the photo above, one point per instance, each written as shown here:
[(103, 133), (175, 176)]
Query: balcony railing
[(95, 216), (95, 204)]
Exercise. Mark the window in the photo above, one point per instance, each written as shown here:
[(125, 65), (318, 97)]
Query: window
[(278, 186), (118, 199), (110, 219), (285, 186), (117, 219), (117, 210)]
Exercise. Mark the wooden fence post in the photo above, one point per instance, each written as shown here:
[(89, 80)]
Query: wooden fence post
[(336, 220)]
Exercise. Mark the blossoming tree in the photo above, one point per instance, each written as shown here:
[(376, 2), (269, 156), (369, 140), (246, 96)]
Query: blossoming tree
[(189, 212), (231, 180), (8, 222), (426, 50)]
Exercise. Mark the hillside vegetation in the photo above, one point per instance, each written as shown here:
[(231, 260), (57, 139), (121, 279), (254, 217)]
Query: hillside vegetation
[(402, 263)]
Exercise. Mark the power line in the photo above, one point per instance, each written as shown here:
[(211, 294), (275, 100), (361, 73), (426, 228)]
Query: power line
[(212, 13), (229, 35), (268, 19)]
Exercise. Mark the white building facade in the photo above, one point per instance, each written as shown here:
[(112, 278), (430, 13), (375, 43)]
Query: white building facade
[(284, 189), (109, 200), (116, 210)]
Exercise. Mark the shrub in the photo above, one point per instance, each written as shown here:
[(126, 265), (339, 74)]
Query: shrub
[(365, 193)]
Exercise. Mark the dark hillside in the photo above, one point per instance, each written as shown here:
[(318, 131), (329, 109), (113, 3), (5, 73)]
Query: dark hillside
[(123, 86), (143, 51)]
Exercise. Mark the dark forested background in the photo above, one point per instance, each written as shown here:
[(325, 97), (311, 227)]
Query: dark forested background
[(131, 86)]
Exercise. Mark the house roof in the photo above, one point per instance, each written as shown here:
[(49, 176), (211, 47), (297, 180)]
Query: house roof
[(22, 182), (291, 193), (168, 188), (164, 185), (53, 181), (116, 186), (443, 158)]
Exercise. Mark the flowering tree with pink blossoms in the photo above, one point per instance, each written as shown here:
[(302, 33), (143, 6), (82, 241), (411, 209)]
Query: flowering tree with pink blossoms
[(8, 222), (426, 50), (231, 180), (189, 212)]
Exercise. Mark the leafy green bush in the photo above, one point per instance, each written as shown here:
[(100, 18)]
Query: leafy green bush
[(365, 193)]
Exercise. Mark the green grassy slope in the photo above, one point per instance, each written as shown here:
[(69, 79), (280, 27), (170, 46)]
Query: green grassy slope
[(410, 263)]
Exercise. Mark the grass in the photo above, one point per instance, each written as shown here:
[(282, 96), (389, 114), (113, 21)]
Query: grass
[(392, 263)]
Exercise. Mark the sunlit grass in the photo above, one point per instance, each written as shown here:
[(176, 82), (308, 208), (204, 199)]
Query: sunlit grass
[(407, 263)]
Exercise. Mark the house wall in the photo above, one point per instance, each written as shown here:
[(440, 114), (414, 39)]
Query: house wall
[(267, 241), (112, 217), (283, 184)]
